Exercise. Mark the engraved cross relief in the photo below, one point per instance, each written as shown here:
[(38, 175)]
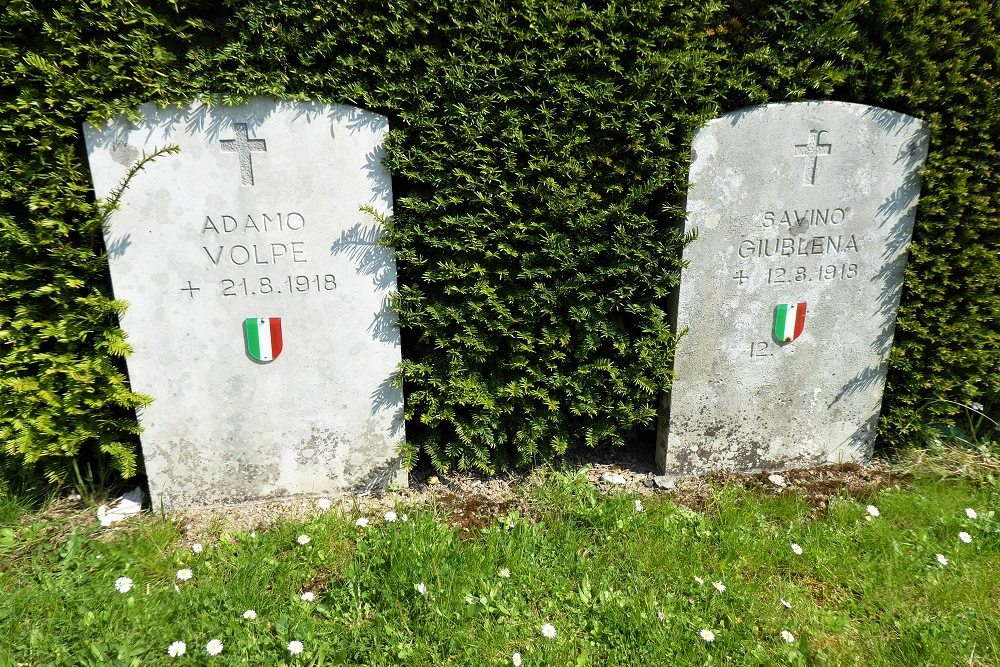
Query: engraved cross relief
[(190, 289), (811, 149), (243, 146)]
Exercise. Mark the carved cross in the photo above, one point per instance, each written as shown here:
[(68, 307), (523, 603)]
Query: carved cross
[(812, 149), (243, 146), (190, 289)]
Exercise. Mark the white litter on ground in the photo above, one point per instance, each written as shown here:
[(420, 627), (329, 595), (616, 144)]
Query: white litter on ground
[(613, 478), (128, 505)]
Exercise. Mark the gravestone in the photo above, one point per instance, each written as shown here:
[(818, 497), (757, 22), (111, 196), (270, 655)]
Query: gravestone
[(257, 294), (787, 304)]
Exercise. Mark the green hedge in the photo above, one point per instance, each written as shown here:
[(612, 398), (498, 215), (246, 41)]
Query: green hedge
[(539, 153)]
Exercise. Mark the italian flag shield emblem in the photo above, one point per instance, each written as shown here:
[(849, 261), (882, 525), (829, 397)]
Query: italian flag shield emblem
[(263, 337), (789, 320)]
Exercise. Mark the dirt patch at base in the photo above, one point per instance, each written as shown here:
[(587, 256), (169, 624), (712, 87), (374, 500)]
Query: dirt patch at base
[(318, 582), (827, 593), (817, 485), (472, 501), (473, 512)]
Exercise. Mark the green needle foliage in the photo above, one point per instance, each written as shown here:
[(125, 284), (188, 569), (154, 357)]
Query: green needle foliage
[(539, 155)]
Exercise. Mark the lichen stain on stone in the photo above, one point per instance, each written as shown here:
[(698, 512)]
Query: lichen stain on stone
[(372, 461), (193, 474), (323, 452), (732, 445), (244, 482), (125, 154)]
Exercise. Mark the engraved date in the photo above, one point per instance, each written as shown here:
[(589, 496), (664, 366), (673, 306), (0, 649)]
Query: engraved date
[(300, 284), (822, 272)]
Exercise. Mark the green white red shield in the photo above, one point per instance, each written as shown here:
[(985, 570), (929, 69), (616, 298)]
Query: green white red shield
[(263, 338), (789, 321)]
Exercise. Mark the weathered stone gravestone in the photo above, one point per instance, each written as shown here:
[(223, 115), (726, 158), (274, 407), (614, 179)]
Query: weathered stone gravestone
[(257, 298), (788, 302)]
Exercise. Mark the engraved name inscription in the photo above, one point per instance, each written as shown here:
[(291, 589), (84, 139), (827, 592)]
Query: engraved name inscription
[(240, 254), (807, 217), (833, 240), (263, 241), (803, 245)]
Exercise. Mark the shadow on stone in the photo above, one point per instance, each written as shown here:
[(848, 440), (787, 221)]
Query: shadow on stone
[(388, 397), (378, 478), (118, 245)]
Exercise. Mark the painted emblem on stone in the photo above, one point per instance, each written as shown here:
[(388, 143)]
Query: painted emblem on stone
[(789, 321), (263, 338)]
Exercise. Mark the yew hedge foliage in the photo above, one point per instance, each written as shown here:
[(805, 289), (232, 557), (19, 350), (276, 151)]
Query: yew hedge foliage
[(539, 154)]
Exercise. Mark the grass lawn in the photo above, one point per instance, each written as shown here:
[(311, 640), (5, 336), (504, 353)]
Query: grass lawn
[(619, 583)]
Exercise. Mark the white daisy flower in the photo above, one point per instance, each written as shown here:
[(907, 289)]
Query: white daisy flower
[(177, 649), (184, 574), (638, 505), (197, 547), (516, 660), (295, 647), (699, 580), (719, 586), (965, 537), (978, 407), (707, 635), (420, 588), (390, 516), (324, 504), (504, 573), (787, 636), (303, 539), (361, 523), (971, 513), (941, 559), (123, 584), (549, 631), (797, 549), (872, 510), (308, 596), (785, 603), (214, 647), (250, 615), (404, 518)]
